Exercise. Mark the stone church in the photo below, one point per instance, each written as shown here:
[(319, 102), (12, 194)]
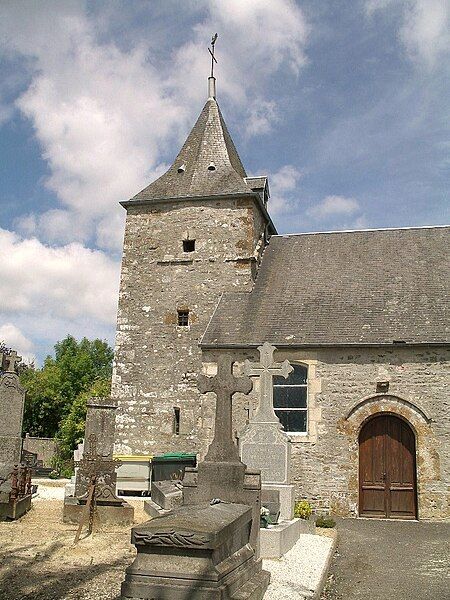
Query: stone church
[(362, 316)]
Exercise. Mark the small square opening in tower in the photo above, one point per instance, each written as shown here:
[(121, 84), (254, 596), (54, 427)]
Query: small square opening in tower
[(183, 318), (188, 245)]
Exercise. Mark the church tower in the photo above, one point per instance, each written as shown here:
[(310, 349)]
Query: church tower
[(194, 233)]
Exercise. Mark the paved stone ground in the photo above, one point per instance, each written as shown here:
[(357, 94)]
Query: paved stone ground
[(383, 560)]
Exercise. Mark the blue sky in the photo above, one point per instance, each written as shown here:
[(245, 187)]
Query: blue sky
[(343, 105)]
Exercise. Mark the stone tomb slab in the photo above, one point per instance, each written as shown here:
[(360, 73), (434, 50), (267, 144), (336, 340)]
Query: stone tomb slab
[(107, 515), (196, 552), (278, 539)]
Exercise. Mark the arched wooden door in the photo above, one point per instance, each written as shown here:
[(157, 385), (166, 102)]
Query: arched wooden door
[(387, 469)]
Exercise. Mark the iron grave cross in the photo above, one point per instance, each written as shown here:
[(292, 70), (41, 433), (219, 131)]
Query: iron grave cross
[(224, 385), (266, 369)]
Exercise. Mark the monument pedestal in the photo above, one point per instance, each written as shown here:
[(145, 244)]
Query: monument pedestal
[(165, 496), (116, 514), (278, 539), (197, 552), (286, 495)]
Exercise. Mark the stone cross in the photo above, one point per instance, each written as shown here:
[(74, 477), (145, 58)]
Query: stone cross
[(224, 385), (11, 360), (266, 369)]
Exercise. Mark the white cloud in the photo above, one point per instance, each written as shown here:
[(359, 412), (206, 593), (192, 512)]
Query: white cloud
[(69, 282), (108, 113), (15, 339), (104, 115), (282, 183), (333, 205), (262, 115), (424, 28)]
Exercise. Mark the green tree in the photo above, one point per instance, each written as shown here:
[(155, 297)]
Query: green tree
[(78, 368), (71, 430)]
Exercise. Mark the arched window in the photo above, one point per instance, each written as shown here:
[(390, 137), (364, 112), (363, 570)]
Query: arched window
[(290, 398)]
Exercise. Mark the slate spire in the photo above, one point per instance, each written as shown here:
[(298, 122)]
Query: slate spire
[(208, 163)]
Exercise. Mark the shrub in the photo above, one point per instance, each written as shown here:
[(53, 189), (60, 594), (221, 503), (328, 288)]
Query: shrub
[(302, 509), (325, 522)]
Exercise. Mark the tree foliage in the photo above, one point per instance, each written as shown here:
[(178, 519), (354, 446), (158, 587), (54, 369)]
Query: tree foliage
[(55, 404)]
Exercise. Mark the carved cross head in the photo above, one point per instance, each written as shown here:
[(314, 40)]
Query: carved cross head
[(266, 363), (224, 382), (10, 361), (224, 385)]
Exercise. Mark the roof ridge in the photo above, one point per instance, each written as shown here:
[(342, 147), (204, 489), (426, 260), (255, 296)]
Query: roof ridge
[(362, 230)]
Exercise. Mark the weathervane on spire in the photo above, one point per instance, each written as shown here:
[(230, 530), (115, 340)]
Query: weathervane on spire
[(211, 51)]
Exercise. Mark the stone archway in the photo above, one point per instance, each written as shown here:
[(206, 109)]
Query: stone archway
[(427, 458)]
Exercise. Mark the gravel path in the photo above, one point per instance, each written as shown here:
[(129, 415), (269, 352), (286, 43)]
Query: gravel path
[(298, 573)]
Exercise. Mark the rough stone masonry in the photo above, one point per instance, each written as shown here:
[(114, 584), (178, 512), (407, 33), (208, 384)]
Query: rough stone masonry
[(366, 312)]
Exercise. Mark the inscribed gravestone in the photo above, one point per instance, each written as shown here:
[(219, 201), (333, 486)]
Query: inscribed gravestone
[(263, 444), (98, 450), (12, 400)]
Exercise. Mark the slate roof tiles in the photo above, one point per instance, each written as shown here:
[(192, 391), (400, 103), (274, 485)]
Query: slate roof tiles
[(360, 287), (208, 145)]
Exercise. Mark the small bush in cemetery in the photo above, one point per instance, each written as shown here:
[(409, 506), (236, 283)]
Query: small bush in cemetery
[(302, 509), (326, 522)]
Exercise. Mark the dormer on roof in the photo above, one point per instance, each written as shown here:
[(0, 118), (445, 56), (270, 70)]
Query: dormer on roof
[(261, 186)]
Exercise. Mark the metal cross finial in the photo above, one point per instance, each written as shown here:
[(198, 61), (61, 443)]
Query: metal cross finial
[(11, 360), (211, 51), (224, 385)]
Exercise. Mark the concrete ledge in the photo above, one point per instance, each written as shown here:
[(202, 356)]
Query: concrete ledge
[(153, 509), (326, 567), (276, 540), (107, 515)]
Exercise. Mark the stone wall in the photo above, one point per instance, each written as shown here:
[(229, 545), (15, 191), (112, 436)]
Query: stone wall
[(45, 448), (157, 361), (342, 394)]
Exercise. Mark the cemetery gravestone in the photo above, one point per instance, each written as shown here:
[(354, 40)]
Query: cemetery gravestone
[(97, 469), (265, 446), (208, 548), (12, 400), (15, 479)]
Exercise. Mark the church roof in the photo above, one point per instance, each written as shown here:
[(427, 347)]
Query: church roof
[(342, 288), (207, 165)]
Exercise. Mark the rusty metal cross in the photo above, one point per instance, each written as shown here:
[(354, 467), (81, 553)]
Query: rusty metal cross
[(211, 51), (224, 385)]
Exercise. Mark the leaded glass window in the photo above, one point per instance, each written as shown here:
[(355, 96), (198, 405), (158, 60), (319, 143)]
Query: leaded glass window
[(290, 399)]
